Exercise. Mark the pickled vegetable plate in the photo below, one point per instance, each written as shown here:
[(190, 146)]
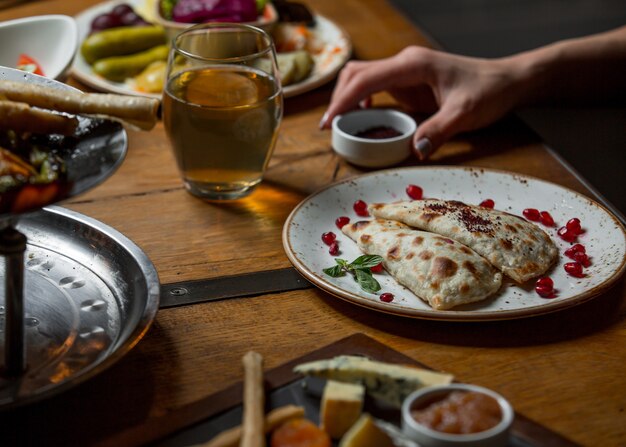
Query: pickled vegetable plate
[(334, 50)]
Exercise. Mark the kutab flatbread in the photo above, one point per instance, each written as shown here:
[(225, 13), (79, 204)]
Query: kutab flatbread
[(440, 271), (520, 249)]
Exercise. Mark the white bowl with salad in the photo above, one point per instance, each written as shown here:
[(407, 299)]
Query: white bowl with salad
[(43, 45)]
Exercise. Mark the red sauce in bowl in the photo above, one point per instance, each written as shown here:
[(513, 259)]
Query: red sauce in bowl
[(378, 133), (460, 412)]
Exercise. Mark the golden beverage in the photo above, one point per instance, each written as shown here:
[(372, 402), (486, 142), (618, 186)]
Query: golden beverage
[(222, 123)]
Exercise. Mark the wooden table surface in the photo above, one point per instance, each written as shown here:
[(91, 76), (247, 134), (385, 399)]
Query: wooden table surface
[(564, 370)]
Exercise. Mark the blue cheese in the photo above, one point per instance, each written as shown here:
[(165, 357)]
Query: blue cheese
[(384, 381)]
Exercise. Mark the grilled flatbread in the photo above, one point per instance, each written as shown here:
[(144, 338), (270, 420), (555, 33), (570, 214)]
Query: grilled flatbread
[(520, 249), (440, 271)]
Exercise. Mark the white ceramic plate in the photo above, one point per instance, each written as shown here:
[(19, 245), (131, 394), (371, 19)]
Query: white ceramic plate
[(337, 49), (604, 238)]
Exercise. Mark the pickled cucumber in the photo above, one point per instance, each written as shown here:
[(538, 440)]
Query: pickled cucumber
[(152, 78), (119, 68), (294, 66), (121, 41)]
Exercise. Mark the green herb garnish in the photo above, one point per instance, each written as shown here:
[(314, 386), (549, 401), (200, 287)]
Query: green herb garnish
[(360, 270), (167, 7)]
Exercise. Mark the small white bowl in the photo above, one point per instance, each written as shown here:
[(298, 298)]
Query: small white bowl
[(266, 21), (51, 40), (497, 436), (371, 152)]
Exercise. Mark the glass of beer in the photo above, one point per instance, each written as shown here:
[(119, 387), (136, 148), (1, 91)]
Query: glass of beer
[(222, 106)]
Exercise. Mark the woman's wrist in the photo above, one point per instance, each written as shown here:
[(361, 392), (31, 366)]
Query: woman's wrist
[(531, 74)]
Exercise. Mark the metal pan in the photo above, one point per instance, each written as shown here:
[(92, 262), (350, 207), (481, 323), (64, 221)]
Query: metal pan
[(90, 295)]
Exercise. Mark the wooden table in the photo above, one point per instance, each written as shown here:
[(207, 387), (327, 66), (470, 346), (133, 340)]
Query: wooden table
[(564, 370)]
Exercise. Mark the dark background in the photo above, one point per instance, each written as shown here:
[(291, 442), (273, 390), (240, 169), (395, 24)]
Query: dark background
[(591, 139)]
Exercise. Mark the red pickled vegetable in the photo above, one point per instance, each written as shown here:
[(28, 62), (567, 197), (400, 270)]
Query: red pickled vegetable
[(200, 11)]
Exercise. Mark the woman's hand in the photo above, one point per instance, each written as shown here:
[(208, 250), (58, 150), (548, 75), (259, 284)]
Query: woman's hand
[(461, 93)]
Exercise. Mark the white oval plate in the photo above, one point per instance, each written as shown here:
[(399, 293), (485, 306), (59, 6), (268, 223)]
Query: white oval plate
[(604, 239), (337, 49)]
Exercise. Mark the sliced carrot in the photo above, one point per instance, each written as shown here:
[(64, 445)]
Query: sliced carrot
[(34, 196)]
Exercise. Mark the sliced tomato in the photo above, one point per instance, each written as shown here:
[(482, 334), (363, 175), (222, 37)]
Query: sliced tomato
[(27, 63)]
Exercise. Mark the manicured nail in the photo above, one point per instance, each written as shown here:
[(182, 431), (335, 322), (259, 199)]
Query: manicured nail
[(324, 120), (423, 147)]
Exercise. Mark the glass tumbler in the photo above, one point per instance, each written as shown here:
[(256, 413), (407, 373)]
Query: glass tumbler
[(222, 107)]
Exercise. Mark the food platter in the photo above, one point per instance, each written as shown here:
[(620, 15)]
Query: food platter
[(604, 238), (89, 294), (98, 149), (336, 51), (198, 422)]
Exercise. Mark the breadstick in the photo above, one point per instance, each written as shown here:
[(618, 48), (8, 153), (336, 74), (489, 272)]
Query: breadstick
[(139, 111), (252, 433), (273, 420), (20, 117)]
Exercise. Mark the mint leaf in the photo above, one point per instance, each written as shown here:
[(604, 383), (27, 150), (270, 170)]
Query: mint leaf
[(334, 271), (360, 269), (342, 263), (366, 261), (367, 281)]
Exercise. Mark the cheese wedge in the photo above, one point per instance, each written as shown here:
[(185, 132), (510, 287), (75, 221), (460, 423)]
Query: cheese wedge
[(387, 382), (342, 404), (365, 433)]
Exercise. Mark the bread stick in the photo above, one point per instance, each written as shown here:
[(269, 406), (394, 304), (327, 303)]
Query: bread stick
[(20, 117), (252, 432), (139, 111)]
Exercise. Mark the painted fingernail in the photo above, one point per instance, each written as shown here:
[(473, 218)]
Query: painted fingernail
[(423, 148), (364, 104), (324, 120)]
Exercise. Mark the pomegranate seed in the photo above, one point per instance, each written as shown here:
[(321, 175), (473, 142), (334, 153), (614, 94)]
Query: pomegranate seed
[(360, 208), (334, 248), (386, 297), (573, 225), (577, 248), (487, 203), (546, 219), (531, 214), (414, 192), (377, 268), (545, 292), (566, 234), (341, 221), (574, 269), (328, 238), (545, 282), (582, 258)]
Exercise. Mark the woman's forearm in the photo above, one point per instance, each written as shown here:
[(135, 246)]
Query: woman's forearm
[(588, 69)]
